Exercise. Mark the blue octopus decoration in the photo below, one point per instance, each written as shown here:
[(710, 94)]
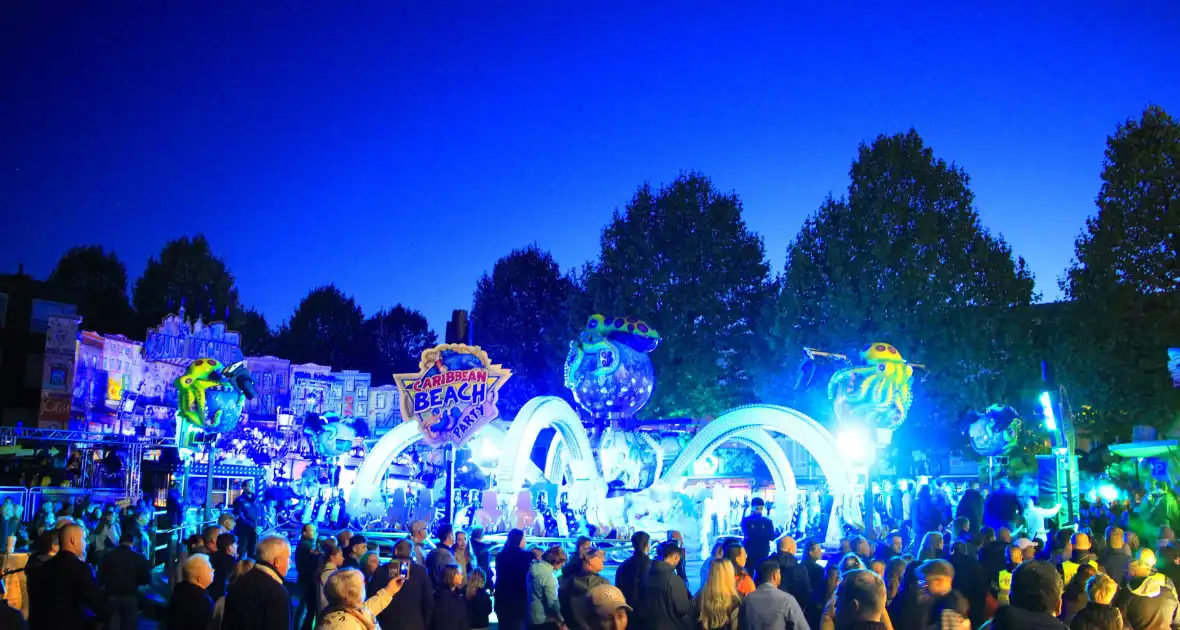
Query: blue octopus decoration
[(608, 369)]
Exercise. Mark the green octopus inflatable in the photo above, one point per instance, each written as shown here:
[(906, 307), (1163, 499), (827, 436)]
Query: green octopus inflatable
[(211, 397)]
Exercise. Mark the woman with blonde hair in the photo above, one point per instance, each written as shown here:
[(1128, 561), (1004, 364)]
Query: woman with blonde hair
[(479, 602), (932, 547), (717, 604), (347, 607)]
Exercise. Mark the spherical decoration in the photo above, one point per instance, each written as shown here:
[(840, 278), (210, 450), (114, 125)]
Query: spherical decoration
[(618, 393)]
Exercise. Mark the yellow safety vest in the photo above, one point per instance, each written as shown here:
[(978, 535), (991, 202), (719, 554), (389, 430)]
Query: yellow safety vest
[(1005, 586), (1068, 570)]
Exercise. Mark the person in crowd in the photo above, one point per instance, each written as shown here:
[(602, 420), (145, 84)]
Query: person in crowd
[(1002, 585), (190, 607), (970, 507), (343, 540), (1169, 562), (891, 547), (861, 547), (541, 583), (1117, 556), (441, 556), (574, 562), (209, 540), (737, 555), (259, 599), (970, 581), (44, 548), (332, 558), (347, 607), (450, 601), (932, 547), (481, 551), (770, 607), (717, 553), (574, 586), (926, 514), (479, 601), (757, 530), (814, 552), (894, 571), (717, 603), (137, 526), (682, 568), (227, 521), (512, 567), (1098, 613), (248, 515), (242, 567), (793, 577), (357, 547), (606, 608), (1035, 599), (1075, 597), (63, 592), (1035, 516), (370, 562), (411, 608), (860, 602), (224, 560), (462, 552), (993, 555), (11, 618), (665, 604), (1147, 601), (418, 538), (629, 576), (121, 574), (920, 603), (307, 560)]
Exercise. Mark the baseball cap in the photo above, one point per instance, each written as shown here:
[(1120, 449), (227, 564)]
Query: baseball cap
[(606, 599), (417, 526), (1023, 543)]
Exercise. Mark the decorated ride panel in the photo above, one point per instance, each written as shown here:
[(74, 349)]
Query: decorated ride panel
[(875, 395), (454, 393), (211, 396)]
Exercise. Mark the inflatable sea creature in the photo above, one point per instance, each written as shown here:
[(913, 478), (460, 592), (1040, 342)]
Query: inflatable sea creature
[(994, 432), (210, 397), (876, 394), (608, 369)]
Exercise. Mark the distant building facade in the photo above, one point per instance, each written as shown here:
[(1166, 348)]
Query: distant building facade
[(272, 381), (26, 307)]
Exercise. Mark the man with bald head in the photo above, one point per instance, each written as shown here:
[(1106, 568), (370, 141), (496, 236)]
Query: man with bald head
[(793, 578), (64, 594)]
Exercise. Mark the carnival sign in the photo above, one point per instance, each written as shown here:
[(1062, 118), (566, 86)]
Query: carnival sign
[(453, 394)]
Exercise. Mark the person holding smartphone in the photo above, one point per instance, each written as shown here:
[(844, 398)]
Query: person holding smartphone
[(412, 608)]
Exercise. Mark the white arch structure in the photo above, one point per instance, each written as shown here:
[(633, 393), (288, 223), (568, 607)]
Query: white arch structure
[(537, 414)]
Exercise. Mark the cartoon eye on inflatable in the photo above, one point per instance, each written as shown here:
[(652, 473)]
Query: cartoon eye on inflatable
[(608, 362)]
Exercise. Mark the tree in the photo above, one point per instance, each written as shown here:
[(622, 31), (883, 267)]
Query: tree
[(188, 275), (903, 259), (1125, 283), (257, 337), (97, 282), (520, 317), (395, 338), (327, 328), (682, 259)]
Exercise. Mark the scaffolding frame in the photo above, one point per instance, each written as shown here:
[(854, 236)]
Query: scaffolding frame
[(135, 445)]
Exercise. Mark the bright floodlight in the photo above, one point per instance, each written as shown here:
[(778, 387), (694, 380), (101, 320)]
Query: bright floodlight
[(489, 451), (705, 467), (853, 444), (1108, 492), (1047, 409)]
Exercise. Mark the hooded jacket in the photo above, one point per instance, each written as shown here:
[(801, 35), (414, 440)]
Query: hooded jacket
[(1013, 618), (1147, 603), (572, 596)]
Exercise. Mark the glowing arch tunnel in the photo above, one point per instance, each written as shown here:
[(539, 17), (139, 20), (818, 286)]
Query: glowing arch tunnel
[(538, 414)]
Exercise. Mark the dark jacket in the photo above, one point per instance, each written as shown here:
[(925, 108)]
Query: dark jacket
[(306, 561), (483, 559), (64, 594), (1094, 615), (11, 618), (572, 590), (665, 604), (971, 581), (223, 567), (629, 576), (190, 608), (123, 571), (413, 606), (479, 609), (1013, 618), (257, 601), (814, 608), (795, 580), (512, 568), (1148, 603), (758, 532), (1115, 561), (450, 611)]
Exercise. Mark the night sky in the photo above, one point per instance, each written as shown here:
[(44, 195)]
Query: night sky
[(398, 152)]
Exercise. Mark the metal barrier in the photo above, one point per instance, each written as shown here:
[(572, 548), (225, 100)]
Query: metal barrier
[(181, 532), (37, 496)]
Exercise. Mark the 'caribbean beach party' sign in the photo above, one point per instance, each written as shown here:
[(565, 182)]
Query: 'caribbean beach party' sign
[(453, 395)]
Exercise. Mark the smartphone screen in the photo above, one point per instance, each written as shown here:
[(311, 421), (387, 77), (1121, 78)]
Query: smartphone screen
[(404, 570)]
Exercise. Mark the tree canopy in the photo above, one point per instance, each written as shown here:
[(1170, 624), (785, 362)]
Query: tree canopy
[(1124, 283), (904, 259), (186, 273), (327, 328), (97, 282), (520, 316), (682, 258), (395, 339)]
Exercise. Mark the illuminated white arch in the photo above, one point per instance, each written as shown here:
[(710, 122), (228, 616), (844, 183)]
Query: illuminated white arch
[(734, 425), (537, 414), (367, 485)]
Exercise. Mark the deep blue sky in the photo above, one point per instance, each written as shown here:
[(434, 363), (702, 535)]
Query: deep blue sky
[(399, 151)]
